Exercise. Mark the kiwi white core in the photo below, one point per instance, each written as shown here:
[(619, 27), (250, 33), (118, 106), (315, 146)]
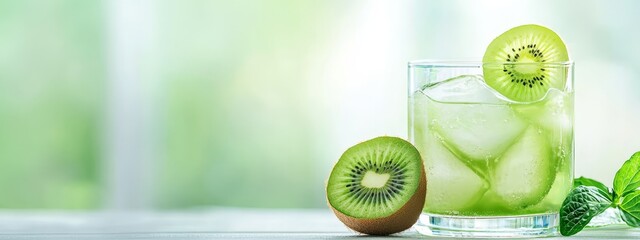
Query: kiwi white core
[(372, 179), (527, 68)]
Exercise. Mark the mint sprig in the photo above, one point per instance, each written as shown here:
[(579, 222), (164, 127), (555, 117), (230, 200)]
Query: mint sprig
[(590, 198)]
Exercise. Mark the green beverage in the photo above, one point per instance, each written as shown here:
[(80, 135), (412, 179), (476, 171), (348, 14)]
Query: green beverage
[(496, 137), (488, 156)]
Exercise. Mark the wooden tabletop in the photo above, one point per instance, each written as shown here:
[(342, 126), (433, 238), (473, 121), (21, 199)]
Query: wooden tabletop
[(218, 223)]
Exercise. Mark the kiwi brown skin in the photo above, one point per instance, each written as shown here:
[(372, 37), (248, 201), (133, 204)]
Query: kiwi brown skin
[(397, 222)]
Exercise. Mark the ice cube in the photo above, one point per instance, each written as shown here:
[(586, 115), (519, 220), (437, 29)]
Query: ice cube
[(557, 193), (481, 132), (418, 114), (464, 89), (451, 184), (554, 112), (525, 172), (472, 117)]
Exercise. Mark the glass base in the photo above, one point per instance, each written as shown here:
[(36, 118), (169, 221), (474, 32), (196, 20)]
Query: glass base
[(524, 226)]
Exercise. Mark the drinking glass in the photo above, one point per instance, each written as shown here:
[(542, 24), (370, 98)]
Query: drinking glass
[(495, 167)]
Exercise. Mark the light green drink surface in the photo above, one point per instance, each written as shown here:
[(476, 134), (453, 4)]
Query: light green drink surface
[(487, 156)]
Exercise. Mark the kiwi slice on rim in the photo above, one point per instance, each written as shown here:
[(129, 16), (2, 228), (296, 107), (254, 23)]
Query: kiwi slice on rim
[(378, 186), (523, 63)]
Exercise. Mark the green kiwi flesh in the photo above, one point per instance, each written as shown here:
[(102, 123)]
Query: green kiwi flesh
[(524, 62), (359, 202)]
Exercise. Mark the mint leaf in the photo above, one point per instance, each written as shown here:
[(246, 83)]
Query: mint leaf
[(630, 207), (627, 178), (630, 219), (583, 181), (582, 204)]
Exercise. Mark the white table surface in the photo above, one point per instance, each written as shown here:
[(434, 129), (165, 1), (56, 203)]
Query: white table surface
[(219, 223)]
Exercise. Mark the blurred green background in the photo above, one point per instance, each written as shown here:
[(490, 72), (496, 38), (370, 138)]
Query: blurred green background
[(174, 104)]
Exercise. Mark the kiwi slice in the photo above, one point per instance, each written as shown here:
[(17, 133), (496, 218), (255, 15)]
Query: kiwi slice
[(378, 186), (523, 63)]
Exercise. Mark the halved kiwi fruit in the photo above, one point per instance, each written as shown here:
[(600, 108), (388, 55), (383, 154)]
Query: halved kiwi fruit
[(378, 186), (523, 63)]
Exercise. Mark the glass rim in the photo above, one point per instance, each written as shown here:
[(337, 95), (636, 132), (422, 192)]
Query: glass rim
[(467, 63)]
